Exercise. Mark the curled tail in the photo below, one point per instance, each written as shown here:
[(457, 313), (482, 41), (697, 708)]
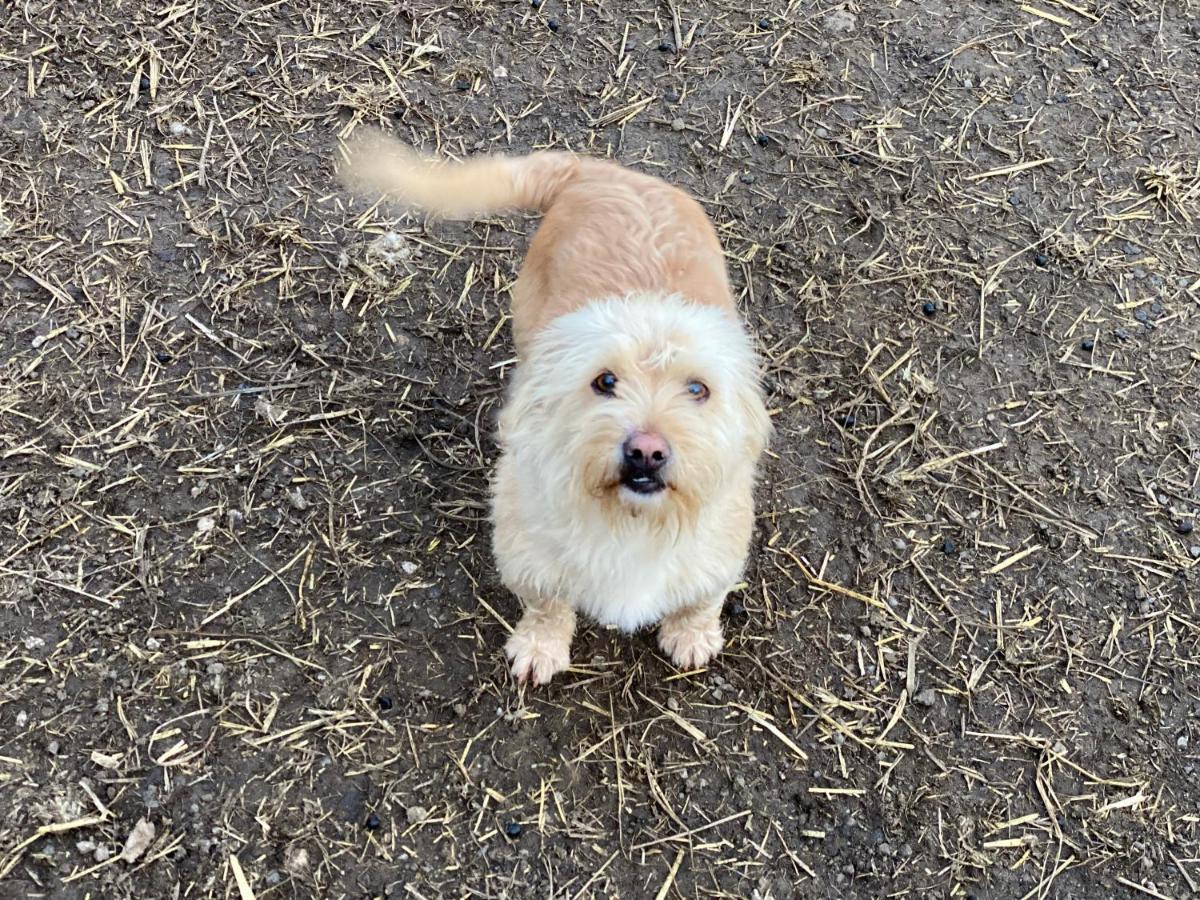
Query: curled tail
[(374, 163)]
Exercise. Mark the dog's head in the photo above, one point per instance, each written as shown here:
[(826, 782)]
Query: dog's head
[(647, 405)]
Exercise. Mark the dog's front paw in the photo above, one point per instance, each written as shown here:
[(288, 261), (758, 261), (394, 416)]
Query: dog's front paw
[(537, 656), (690, 640)]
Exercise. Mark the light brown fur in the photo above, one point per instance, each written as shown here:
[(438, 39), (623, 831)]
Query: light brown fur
[(607, 231)]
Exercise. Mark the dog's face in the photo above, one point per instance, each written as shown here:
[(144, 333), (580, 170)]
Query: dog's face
[(644, 405)]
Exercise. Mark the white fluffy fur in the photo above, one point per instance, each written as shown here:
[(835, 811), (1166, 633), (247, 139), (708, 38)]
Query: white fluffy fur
[(553, 540)]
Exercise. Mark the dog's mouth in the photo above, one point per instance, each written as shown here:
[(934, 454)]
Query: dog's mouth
[(643, 483)]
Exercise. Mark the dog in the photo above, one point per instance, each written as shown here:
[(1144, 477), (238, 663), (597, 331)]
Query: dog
[(635, 419)]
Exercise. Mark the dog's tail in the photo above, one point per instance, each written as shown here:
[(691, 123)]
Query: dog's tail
[(374, 163)]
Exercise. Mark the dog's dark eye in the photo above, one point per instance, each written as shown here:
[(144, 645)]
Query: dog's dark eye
[(698, 390), (605, 384)]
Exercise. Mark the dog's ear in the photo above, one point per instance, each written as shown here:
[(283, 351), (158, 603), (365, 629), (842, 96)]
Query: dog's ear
[(525, 404), (752, 406)]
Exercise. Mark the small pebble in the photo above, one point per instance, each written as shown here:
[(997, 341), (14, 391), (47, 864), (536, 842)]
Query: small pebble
[(374, 822), (1088, 344), (671, 97), (1141, 315), (929, 308), (1185, 526), (1156, 309), (1102, 64), (385, 703), (927, 697), (178, 129), (949, 547), (416, 815), (1122, 334), (678, 125), (1194, 551), (841, 21), (513, 830), (746, 178)]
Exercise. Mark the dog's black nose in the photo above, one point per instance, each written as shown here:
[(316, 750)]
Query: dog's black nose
[(646, 452)]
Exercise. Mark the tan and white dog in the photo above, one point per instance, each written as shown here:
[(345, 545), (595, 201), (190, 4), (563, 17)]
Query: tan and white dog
[(635, 419)]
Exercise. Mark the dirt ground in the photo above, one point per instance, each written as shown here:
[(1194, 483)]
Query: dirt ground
[(245, 434)]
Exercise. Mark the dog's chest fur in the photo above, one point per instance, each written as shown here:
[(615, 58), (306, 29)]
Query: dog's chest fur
[(628, 575), (632, 577)]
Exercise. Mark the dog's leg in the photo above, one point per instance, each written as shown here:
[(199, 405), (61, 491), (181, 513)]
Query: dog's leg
[(692, 636), (540, 646)]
